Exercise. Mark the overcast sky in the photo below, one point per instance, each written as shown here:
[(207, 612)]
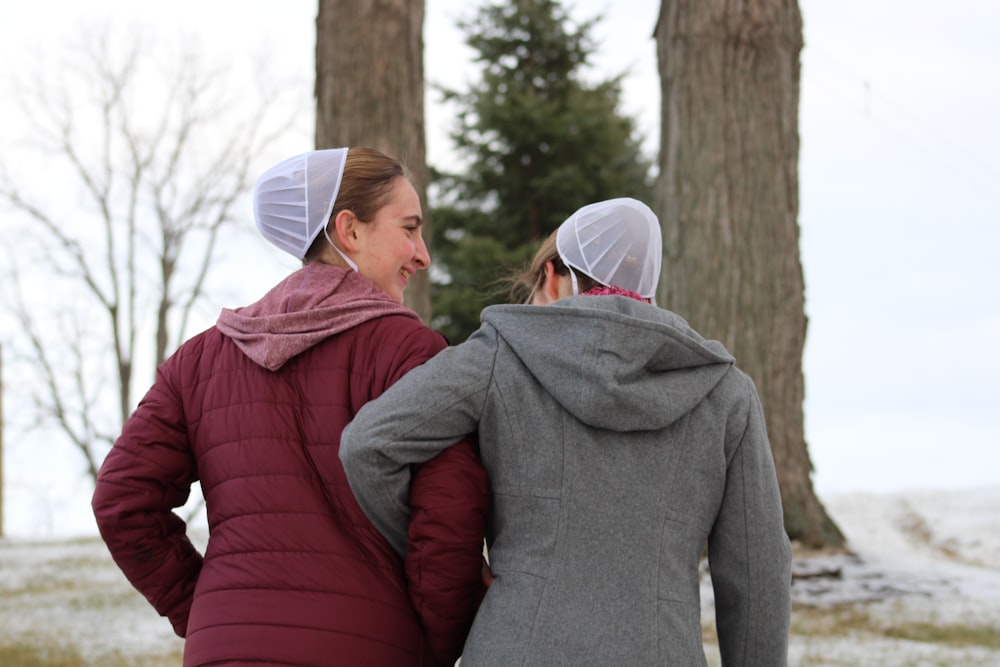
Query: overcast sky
[(899, 213)]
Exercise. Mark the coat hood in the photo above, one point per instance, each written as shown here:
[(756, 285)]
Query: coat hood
[(310, 305), (612, 362)]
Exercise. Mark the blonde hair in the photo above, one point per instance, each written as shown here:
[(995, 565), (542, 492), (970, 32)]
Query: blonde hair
[(365, 187), (527, 281)]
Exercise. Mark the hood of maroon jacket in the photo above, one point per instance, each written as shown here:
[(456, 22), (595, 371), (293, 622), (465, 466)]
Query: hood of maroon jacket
[(308, 306)]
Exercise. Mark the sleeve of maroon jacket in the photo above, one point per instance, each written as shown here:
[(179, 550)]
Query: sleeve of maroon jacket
[(449, 501), (147, 474)]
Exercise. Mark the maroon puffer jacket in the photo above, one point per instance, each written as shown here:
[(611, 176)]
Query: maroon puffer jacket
[(294, 573)]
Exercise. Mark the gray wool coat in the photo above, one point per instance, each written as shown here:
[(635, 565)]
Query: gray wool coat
[(619, 442)]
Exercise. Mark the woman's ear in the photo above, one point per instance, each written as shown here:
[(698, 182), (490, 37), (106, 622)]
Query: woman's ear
[(548, 291), (346, 225), (552, 282)]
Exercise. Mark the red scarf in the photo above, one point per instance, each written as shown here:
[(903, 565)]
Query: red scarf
[(601, 290)]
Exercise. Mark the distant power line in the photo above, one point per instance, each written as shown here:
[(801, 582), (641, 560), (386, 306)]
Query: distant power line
[(929, 140)]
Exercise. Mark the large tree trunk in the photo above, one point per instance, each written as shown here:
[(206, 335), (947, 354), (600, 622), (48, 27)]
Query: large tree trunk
[(728, 198), (370, 92)]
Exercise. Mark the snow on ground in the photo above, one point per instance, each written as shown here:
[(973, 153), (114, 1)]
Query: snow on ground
[(938, 545), (917, 559), (70, 593), (921, 559)]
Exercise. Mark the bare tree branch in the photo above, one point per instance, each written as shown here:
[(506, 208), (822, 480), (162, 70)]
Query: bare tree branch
[(55, 405), (146, 167)]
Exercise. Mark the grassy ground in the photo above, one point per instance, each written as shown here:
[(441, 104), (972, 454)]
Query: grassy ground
[(34, 655), (65, 604)]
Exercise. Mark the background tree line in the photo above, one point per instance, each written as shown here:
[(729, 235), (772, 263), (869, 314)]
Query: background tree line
[(540, 141), (536, 139)]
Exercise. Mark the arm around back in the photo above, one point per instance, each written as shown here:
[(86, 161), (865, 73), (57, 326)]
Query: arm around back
[(449, 504), (434, 513), (428, 410)]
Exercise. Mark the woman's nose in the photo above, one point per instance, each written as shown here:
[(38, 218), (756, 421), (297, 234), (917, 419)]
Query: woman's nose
[(421, 256)]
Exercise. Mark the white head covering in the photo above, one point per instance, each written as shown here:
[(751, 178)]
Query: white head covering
[(293, 200), (616, 242)]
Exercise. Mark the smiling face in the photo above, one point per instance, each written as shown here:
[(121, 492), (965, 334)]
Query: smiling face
[(390, 247)]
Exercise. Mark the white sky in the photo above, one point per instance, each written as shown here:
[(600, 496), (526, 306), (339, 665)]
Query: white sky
[(899, 213)]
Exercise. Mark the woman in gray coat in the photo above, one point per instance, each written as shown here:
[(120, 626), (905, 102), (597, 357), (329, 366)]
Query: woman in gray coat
[(619, 443)]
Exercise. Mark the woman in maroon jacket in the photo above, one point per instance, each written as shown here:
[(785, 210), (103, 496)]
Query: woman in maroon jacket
[(253, 408)]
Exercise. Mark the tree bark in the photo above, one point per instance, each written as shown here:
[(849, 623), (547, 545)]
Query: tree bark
[(370, 92), (728, 199)]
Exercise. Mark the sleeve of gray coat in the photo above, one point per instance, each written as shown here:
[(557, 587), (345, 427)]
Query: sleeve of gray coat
[(429, 409), (750, 555)]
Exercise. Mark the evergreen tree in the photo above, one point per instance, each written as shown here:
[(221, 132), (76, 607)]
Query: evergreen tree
[(539, 142)]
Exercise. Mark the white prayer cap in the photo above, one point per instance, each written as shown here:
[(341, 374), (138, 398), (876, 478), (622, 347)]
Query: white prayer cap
[(293, 200), (616, 242)]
